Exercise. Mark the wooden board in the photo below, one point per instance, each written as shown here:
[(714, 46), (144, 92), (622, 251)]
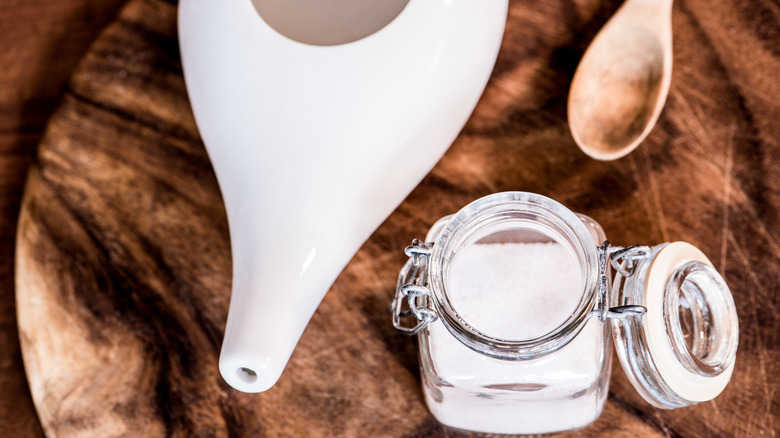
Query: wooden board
[(123, 262), (31, 82)]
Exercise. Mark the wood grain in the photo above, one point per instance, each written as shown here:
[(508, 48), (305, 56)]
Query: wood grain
[(40, 44), (123, 263)]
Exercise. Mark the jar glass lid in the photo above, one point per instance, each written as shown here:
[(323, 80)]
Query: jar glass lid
[(682, 351)]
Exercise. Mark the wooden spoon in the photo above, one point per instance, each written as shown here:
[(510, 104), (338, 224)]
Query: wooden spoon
[(621, 84)]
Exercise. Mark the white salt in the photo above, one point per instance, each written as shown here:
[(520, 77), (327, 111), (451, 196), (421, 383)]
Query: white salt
[(515, 291)]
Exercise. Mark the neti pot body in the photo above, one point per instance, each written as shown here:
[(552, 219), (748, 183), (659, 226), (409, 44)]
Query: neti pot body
[(314, 146)]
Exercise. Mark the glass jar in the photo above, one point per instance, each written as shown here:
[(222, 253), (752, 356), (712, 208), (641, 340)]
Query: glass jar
[(512, 303)]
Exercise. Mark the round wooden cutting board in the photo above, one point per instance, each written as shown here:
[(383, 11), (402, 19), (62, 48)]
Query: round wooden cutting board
[(123, 260)]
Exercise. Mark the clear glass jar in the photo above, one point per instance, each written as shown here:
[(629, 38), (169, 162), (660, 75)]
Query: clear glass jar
[(511, 301)]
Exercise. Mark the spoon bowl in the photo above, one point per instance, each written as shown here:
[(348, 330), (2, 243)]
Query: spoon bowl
[(621, 84)]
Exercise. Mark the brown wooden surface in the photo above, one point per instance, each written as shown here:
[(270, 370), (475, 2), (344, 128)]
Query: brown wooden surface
[(123, 265), (40, 43)]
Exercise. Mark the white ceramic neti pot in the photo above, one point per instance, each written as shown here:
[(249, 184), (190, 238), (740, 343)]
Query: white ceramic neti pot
[(315, 143)]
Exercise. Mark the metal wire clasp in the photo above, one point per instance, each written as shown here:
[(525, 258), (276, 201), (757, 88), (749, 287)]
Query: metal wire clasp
[(413, 285), (624, 261)]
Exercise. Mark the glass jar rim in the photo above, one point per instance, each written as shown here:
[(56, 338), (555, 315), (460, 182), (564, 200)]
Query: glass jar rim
[(488, 210)]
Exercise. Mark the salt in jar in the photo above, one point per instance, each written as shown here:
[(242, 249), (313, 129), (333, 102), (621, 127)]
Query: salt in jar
[(512, 303)]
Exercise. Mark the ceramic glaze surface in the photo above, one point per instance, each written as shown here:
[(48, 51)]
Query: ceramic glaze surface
[(314, 146)]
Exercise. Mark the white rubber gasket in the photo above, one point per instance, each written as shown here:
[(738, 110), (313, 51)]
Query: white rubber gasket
[(685, 383)]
